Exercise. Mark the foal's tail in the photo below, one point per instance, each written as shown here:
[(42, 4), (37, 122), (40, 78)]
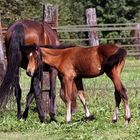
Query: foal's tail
[(115, 59), (13, 45)]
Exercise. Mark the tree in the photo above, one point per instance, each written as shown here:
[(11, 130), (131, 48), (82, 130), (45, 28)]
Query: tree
[(71, 12), (15, 9)]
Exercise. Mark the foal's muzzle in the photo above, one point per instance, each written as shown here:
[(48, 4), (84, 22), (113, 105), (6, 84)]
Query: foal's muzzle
[(29, 73)]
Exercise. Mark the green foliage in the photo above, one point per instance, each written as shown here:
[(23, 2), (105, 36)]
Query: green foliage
[(72, 12), (15, 9)]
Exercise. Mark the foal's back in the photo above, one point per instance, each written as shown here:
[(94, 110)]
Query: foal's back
[(80, 60), (87, 62)]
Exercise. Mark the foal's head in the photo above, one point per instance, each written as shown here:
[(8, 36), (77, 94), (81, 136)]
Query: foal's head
[(34, 58)]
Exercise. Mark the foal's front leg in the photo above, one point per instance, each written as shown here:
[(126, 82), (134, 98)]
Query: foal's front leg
[(67, 82)]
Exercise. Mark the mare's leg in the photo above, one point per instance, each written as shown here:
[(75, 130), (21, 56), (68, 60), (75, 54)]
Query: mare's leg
[(81, 95), (52, 95), (38, 96), (18, 94), (120, 92), (18, 98), (29, 100)]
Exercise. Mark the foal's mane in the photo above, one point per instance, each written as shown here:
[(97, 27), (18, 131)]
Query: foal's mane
[(33, 47), (59, 47)]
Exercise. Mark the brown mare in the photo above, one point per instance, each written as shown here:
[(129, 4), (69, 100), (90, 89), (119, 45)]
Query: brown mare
[(19, 34), (76, 63)]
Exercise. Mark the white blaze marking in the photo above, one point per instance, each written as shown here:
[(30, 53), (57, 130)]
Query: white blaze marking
[(31, 54)]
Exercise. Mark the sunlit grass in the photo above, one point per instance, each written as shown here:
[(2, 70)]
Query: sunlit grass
[(100, 97)]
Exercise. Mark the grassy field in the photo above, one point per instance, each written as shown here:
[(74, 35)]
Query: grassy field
[(100, 97)]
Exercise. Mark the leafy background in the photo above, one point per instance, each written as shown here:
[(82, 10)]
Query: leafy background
[(72, 12)]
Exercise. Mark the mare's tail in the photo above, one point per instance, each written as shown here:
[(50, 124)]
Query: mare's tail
[(13, 62), (115, 59)]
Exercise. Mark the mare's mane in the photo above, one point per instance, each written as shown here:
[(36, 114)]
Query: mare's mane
[(61, 46)]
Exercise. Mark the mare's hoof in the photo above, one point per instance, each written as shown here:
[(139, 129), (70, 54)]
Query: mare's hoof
[(42, 119), (24, 116), (19, 116), (53, 120), (90, 118)]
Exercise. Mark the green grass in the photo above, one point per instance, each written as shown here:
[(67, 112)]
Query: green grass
[(100, 97)]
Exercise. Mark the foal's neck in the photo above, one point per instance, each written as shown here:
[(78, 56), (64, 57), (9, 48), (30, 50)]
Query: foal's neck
[(51, 57)]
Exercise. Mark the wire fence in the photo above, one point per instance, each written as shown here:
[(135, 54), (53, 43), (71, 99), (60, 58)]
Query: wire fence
[(120, 33), (131, 73)]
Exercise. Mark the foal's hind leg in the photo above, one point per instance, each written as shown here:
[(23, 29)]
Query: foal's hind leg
[(29, 100), (74, 99), (120, 92)]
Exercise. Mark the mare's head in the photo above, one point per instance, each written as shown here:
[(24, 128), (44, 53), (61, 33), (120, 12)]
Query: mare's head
[(34, 57)]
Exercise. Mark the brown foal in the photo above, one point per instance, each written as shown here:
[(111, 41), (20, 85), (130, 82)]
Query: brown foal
[(78, 62)]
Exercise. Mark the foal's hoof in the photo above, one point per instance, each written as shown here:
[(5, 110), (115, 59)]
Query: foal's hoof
[(68, 122), (127, 121), (90, 118), (73, 111)]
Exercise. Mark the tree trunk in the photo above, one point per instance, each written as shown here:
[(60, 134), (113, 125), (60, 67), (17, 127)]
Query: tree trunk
[(2, 56)]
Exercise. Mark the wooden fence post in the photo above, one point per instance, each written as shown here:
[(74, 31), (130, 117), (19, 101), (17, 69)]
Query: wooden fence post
[(50, 15), (91, 20), (2, 56), (136, 34)]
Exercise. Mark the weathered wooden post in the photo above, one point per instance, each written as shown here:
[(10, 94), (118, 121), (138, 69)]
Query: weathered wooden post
[(2, 56), (50, 15), (136, 34), (91, 20)]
